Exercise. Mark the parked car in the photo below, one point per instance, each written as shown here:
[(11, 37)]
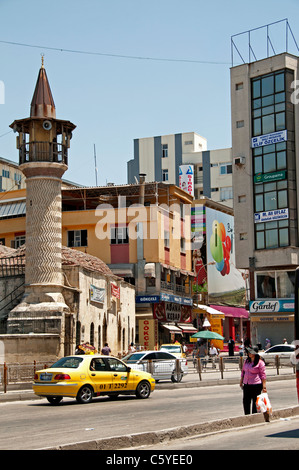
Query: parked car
[(86, 376), (175, 349), (161, 364), (285, 353)]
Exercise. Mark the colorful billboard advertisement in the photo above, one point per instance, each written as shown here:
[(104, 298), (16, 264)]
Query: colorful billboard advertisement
[(224, 279), (186, 178)]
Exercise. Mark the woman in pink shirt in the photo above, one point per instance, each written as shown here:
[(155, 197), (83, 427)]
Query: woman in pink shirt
[(253, 379)]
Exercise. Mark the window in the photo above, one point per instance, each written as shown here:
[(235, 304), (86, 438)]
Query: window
[(164, 175), (77, 238), (166, 239), (164, 150), (226, 193), (183, 245), (119, 235), (244, 236), (116, 365), (275, 284), (268, 103), (226, 168), (5, 173), (19, 241), (239, 124), (239, 86)]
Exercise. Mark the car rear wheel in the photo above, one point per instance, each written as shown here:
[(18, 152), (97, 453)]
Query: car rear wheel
[(54, 400), (143, 390), (176, 377), (85, 394)]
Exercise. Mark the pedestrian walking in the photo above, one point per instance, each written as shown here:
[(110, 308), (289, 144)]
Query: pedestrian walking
[(253, 379), (202, 353), (106, 350), (213, 353), (231, 346)]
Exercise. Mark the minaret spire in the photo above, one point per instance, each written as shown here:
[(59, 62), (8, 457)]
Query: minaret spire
[(42, 104)]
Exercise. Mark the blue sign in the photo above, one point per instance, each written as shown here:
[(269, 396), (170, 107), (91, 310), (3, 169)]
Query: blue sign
[(151, 299), (145, 299), (268, 139), (271, 306), (269, 216)]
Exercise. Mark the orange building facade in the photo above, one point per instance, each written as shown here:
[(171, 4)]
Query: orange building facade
[(142, 232)]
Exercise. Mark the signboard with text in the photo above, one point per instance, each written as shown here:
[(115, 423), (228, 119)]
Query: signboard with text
[(269, 139)]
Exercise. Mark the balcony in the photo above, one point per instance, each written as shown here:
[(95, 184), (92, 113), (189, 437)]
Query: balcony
[(43, 152), (175, 288)]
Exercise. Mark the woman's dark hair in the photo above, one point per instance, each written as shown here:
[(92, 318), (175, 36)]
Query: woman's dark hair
[(255, 360)]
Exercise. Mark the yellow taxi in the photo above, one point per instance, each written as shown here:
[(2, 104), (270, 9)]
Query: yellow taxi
[(86, 376), (176, 349)]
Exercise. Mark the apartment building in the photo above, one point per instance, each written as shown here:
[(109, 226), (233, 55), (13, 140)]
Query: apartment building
[(164, 158), (265, 149), (11, 177), (142, 232)]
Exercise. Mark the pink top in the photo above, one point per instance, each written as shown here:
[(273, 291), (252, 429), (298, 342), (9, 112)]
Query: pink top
[(251, 374)]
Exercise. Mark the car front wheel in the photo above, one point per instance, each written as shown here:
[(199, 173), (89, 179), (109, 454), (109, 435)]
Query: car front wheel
[(143, 390), (85, 394), (176, 377)]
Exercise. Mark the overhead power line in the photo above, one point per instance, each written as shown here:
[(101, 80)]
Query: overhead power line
[(119, 56)]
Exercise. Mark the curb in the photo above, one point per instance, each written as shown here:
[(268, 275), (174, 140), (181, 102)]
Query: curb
[(132, 441)]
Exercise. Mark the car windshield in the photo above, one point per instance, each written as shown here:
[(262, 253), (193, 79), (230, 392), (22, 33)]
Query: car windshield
[(172, 349), (68, 363), (134, 357)]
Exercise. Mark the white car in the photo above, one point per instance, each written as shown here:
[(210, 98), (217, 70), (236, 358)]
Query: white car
[(285, 352), (160, 364)]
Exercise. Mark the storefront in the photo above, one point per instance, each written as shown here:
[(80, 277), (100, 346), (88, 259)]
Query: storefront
[(272, 319), (172, 317), (236, 322)]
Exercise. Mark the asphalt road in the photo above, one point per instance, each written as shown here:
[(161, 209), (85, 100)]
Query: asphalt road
[(36, 424)]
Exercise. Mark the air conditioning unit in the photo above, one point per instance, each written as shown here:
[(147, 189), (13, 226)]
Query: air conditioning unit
[(239, 160)]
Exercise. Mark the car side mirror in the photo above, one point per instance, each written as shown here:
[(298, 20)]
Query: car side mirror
[(129, 369)]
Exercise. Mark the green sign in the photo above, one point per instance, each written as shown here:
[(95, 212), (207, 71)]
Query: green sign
[(268, 177)]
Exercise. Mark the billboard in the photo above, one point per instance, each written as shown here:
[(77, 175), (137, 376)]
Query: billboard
[(186, 178), (224, 279)]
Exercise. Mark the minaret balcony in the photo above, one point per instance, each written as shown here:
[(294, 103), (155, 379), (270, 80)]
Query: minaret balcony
[(43, 152)]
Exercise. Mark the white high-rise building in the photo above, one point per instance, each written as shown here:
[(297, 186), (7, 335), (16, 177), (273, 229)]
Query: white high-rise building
[(161, 157)]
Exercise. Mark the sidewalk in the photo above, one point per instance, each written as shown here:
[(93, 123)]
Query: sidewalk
[(209, 377)]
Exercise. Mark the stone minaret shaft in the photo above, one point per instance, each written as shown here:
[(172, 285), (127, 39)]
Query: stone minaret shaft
[(43, 143)]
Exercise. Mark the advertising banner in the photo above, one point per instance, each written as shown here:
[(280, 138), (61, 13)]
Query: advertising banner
[(224, 279), (172, 312), (97, 294), (269, 216), (186, 178), (269, 139), (115, 291), (148, 334)]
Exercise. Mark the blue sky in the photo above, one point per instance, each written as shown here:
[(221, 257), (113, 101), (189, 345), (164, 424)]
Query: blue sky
[(114, 100)]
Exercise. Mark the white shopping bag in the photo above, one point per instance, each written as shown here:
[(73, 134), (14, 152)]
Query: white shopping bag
[(263, 403)]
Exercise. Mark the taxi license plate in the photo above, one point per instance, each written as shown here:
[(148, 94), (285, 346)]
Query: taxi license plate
[(46, 377)]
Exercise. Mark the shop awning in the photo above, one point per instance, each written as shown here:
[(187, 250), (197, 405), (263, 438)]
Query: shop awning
[(235, 312), (150, 270), (187, 328), (173, 329), (209, 309)]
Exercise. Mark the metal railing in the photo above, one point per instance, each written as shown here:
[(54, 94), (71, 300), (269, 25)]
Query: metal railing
[(20, 374), (43, 152)]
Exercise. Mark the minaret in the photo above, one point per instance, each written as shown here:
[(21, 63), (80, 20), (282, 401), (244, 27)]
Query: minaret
[(43, 143)]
